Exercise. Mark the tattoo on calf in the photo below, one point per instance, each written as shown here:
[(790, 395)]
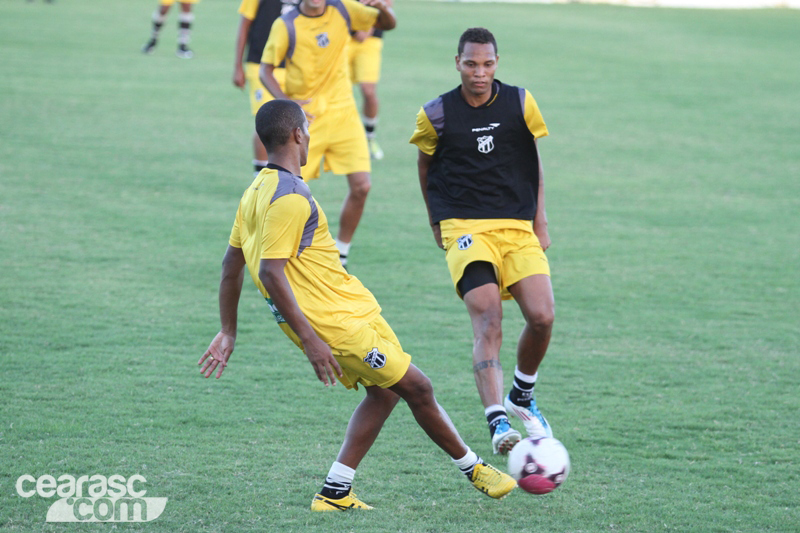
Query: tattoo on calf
[(489, 363)]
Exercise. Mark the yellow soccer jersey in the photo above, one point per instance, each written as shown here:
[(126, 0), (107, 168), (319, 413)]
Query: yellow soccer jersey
[(248, 9), (426, 138), (277, 219), (315, 51)]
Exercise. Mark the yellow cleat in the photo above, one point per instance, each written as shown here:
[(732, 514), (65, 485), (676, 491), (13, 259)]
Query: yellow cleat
[(351, 501), (491, 481)]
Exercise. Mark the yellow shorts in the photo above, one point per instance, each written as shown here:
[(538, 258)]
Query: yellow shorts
[(338, 137), (515, 254), (170, 2), (365, 60), (259, 95), (371, 356)]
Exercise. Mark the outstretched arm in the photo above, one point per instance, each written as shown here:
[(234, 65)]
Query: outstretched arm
[(386, 19), (230, 288), (319, 354), (423, 164)]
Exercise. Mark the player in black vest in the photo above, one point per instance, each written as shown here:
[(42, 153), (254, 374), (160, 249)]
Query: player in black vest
[(481, 178), (256, 21)]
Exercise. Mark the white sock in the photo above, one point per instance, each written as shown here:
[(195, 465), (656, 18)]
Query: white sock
[(525, 377), (341, 473), (468, 462), (344, 247)]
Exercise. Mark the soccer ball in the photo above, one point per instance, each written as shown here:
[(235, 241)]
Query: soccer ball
[(539, 464)]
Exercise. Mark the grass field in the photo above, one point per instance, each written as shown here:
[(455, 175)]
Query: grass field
[(672, 181)]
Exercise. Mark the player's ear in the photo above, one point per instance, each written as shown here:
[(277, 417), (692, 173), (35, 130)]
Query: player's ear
[(458, 64)]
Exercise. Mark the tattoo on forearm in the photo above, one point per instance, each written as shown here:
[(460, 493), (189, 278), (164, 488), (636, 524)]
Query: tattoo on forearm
[(489, 363)]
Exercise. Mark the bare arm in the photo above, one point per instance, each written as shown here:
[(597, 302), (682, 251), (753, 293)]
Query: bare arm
[(267, 75), (241, 41), (230, 288), (386, 19), (540, 220), (319, 354), (423, 164)]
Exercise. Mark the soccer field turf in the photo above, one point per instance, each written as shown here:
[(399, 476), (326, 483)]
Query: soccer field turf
[(672, 194)]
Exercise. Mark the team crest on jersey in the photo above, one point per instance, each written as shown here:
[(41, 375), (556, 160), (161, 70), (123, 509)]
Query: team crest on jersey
[(322, 40), (375, 359), (485, 144), (259, 95), (464, 242)]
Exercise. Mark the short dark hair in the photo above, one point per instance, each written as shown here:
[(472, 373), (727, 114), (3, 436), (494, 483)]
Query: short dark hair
[(477, 36), (276, 120)]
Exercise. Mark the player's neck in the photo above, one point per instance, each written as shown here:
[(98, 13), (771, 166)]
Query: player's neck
[(312, 11), (475, 100), (287, 160)]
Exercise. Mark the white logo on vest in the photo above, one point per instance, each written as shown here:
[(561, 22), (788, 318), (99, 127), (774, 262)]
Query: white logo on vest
[(322, 40), (464, 242), (375, 359), (485, 144)]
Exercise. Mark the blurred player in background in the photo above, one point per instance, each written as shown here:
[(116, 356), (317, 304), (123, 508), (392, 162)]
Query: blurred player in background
[(312, 39), (281, 235), (365, 71), (481, 178), (257, 17), (185, 20)]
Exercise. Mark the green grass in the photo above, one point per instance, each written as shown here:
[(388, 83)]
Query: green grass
[(672, 188)]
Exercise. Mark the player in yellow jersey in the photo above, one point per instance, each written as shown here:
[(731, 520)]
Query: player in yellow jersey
[(365, 71), (481, 178), (312, 40), (185, 20), (281, 235), (257, 17)]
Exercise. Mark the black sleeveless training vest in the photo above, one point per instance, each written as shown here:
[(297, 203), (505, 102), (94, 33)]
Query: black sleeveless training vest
[(485, 164)]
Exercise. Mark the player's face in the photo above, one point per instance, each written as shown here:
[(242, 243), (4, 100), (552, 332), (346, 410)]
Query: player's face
[(305, 137), (477, 64)]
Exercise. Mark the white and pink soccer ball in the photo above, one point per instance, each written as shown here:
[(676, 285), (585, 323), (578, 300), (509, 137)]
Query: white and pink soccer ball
[(539, 465)]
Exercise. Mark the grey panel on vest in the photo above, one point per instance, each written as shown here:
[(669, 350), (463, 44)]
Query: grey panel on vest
[(435, 112), (342, 10), (288, 19), (288, 183), (522, 99)]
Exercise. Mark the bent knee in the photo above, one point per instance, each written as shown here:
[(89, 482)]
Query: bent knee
[(360, 188), (541, 318)]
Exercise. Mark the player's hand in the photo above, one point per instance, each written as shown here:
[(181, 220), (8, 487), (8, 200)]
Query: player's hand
[(380, 4), (437, 235), (321, 358), (362, 36), (302, 103), (541, 232), (217, 354), (238, 76)]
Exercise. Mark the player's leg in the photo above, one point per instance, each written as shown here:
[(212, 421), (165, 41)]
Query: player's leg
[(479, 289), (369, 91), (184, 31), (534, 294), (159, 16), (347, 153), (416, 389), (359, 184), (362, 430)]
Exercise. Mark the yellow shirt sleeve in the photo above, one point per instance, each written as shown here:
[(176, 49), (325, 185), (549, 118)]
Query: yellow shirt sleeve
[(424, 136), (277, 44), (533, 118), (284, 222), (362, 17), (235, 239), (248, 9)]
